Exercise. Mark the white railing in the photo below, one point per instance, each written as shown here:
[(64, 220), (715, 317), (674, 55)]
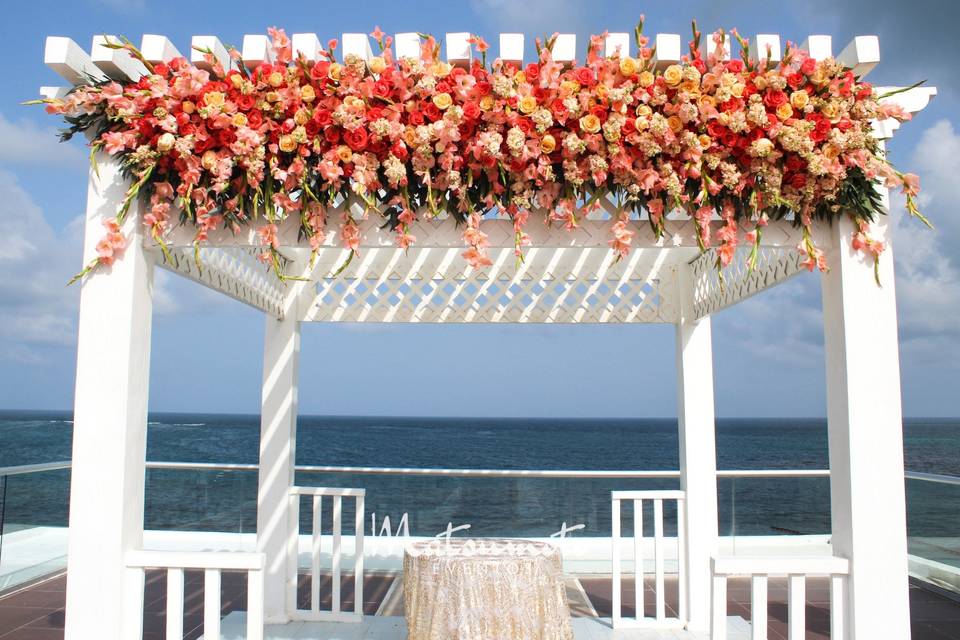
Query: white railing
[(212, 564), (335, 613), (797, 570), (660, 618)]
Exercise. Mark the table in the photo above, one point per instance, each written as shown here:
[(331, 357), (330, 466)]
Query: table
[(484, 589)]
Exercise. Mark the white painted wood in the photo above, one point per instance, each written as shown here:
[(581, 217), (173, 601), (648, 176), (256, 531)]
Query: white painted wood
[(65, 56), (667, 50), (315, 549), (565, 48), (758, 607), (407, 45), (459, 51), (683, 576), (616, 44), (861, 55), (766, 46), (511, 48), (838, 600), (865, 434), (718, 606), (708, 47), (211, 604), (698, 452), (307, 44), (158, 48), (131, 608), (257, 49), (175, 604), (292, 550), (255, 622), (116, 63), (617, 612), (54, 93), (358, 558), (658, 552), (216, 47), (357, 44), (638, 572), (796, 607), (819, 47), (110, 420), (225, 560), (278, 437), (337, 550)]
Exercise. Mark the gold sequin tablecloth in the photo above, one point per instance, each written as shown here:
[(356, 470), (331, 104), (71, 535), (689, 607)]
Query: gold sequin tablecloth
[(484, 589)]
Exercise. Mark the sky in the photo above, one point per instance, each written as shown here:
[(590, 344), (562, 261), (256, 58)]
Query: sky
[(207, 349)]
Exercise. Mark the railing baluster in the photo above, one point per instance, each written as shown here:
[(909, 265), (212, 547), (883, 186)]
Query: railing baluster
[(211, 604), (293, 551), (758, 606), (315, 554), (615, 562), (638, 558), (358, 558), (337, 512), (175, 604), (838, 630), (718, 609), (681, 560), (254, 611), (797, 606), (658, 556)]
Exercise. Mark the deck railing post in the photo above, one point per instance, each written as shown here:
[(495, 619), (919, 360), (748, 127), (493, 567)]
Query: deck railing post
[(278, 436), (698, 456), (110, 420), (866, 435)]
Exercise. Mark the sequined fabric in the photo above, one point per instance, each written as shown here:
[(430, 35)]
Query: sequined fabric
[(485, 589)]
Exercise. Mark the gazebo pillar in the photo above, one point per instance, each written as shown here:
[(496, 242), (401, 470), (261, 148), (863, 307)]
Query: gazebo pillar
[(109, 423), (866, 436), (698, 453), (278, 437)]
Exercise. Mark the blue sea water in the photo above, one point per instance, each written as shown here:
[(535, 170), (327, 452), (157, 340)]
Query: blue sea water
[(226, 500)]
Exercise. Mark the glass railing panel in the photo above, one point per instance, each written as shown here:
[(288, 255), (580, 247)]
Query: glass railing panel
[(201, 499), (33, 525), (933, 529)]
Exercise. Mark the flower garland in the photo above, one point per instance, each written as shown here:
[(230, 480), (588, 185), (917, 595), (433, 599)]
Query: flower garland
[(414, 137)]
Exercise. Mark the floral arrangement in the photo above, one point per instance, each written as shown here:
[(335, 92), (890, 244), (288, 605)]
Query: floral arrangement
[(748, 140)]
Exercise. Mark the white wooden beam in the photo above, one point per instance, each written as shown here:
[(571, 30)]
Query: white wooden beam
[(819, 47), (667, 50), (865, 434), (110, 422), (54, 93), (65, 56), (308, 44), (616, 44), (511, 48), (698, 454), (158, 49), (213, 44), (116, 63), (565, 48), (408, 45), (459, 51), (257, 49), (862, 54), (357, 44), (765, 46)]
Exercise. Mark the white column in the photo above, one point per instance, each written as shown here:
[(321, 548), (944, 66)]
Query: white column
[(278, 437), (865, 436), (109, 423), (698, 452)]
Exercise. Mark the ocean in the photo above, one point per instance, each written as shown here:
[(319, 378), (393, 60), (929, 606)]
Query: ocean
[(219, 500)]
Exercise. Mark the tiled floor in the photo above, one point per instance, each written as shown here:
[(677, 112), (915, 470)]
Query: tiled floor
[(35, 612)]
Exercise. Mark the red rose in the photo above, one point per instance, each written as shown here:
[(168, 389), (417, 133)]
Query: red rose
[(145, 129), (844, 124), (471, 111), (729, 139), (432, 112), (322, 117), (348, 170), (378, 148), (484, 87), (715, 129), (532, 71), (466, 130), (774, 98), (600, 112), (245, 102), (558, 109), (629, 126), (381, 88), (585, 76), (374, 114), (735, 66), (443, 87), (356, 139), (312, 128), (540, 94), (332, 135), (288, 125), (320, 70), (795, 162), (416, 118), (400, 151), (479, 73), (182, 118), (524, 124), (798, 180), (808, 66), (796, 80), (255, 119), (161, 69), (226, 137)]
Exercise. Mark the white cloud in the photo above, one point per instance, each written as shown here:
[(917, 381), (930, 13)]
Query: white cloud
[(26, 144)]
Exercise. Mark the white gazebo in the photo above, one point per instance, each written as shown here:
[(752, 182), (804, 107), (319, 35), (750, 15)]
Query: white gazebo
[(567, 277)]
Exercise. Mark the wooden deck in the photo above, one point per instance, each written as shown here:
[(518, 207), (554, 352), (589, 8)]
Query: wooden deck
[(35, 611)]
